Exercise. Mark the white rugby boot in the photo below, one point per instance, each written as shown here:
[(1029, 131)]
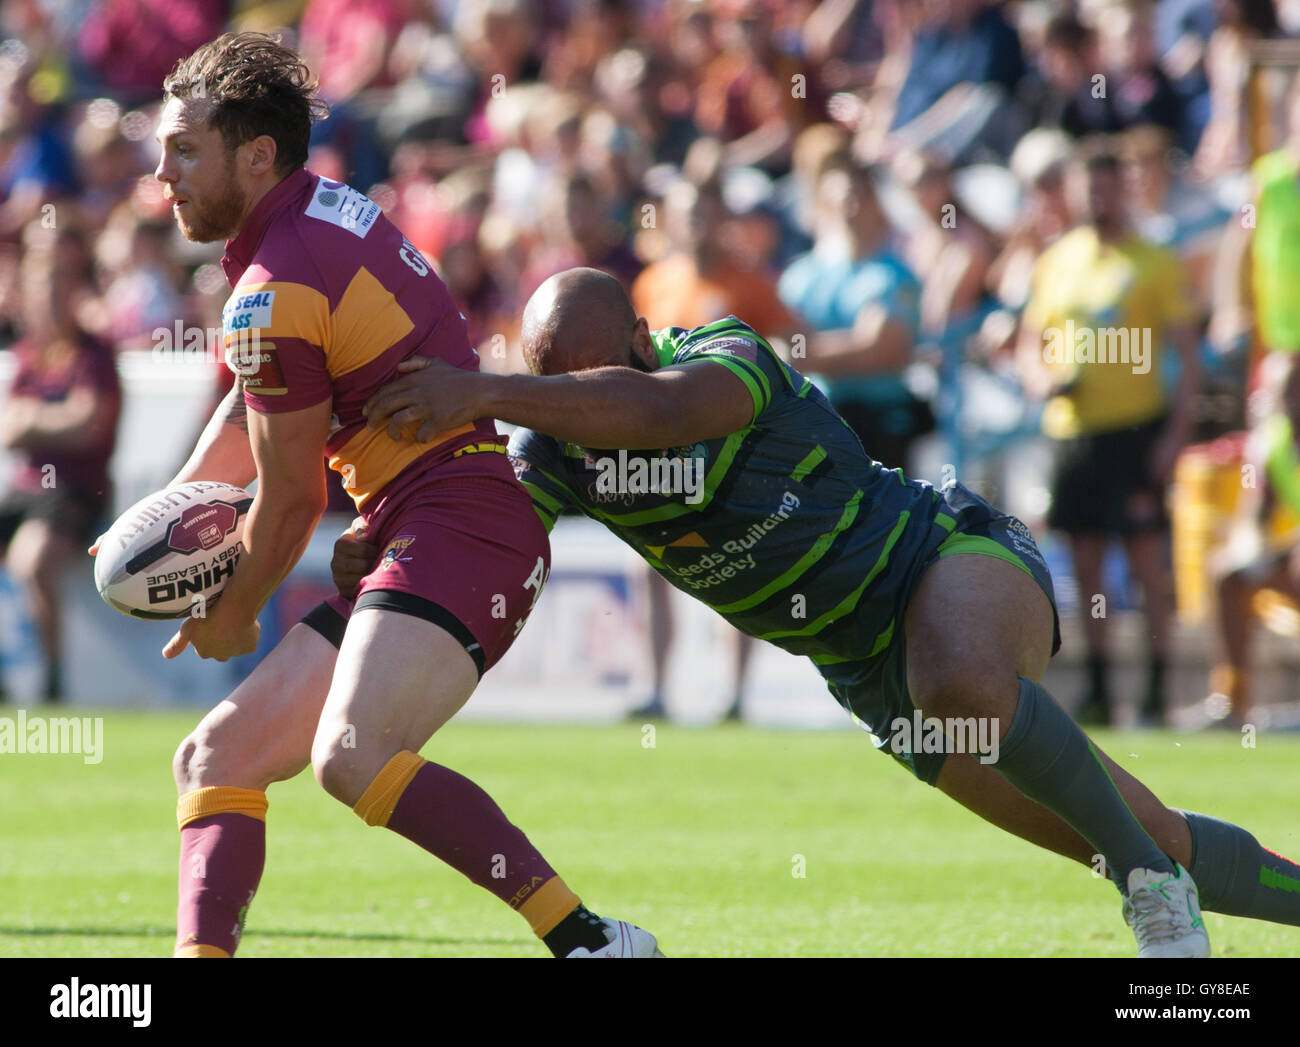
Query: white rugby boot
[(626, 942), (1165, 914)]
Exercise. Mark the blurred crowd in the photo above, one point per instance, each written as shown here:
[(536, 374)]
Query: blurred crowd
[(698, 149), (873, 185)]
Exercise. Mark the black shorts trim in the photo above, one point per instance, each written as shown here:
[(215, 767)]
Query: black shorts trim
[(419, 607), (328, 622)]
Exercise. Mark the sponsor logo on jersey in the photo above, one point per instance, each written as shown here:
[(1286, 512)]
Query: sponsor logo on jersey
[(756, 531), (732, 345), (247, 311), (719, 567), (393, 554), (1023, 540), (258, 364), (343, 206)]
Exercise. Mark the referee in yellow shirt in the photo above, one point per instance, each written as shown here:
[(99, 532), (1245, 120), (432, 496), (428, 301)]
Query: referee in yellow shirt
[(1104, 308)]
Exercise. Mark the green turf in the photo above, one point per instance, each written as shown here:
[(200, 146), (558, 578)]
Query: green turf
[(695, 838)]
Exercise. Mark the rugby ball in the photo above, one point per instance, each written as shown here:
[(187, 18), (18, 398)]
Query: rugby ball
[(173, 550)]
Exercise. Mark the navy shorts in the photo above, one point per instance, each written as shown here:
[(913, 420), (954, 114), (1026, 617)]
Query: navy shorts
[(874, 691)]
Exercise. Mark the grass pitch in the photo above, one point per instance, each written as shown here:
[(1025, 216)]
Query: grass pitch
[(699, 839)]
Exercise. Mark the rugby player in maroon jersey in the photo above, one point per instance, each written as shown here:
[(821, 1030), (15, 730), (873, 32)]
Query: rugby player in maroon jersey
[(328, 298)]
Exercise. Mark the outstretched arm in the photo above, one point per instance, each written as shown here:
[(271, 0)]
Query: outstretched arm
[(603, 407)]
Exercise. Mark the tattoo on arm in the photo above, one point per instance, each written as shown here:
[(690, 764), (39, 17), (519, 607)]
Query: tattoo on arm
[(237, 413)]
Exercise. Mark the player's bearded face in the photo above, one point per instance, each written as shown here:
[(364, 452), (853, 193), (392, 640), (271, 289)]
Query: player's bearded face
[(215, 215)]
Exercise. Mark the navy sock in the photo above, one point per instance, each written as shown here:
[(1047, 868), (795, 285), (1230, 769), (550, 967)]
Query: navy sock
[(1237, 877), (1047, 757)]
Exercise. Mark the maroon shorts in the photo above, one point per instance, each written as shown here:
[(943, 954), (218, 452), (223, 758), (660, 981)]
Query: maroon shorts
[(465, 550)]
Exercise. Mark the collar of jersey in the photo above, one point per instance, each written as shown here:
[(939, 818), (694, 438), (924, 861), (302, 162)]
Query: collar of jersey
[(240, 250)]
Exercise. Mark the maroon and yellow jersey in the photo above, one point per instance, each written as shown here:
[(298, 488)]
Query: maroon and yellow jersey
[(329, 297)]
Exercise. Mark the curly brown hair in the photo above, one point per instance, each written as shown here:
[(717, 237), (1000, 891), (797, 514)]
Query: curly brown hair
[(257, 87)]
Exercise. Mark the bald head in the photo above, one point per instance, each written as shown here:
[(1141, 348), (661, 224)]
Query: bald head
[(577, 320)]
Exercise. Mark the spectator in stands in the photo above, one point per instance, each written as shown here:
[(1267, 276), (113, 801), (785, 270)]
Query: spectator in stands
[(476, 291), (107, 163), (141, 294), (957, 95), (1066, 90), (36, 164), (646, 95), (1137, 89), (861, 303), (500, 40), (578, 230), (697, 283), (794, 197), (1267, 232), (1223, 147), (131, 45), (61, 420), (615, 160), (746, 95), (348, 43), (1257, 557), (1105, 304), (948, 247), (1168, 209), (1039, 163)]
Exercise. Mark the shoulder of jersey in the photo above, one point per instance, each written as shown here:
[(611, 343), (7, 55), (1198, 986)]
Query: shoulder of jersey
[(338, 204)]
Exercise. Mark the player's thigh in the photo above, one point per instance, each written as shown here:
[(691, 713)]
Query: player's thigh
[(973, 626), (263, 732), (399, 678)]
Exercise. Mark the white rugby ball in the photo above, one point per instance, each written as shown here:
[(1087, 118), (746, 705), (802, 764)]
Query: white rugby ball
[(172, 550)]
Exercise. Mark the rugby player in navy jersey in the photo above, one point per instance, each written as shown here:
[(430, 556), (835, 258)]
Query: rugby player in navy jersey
[(908, 598)]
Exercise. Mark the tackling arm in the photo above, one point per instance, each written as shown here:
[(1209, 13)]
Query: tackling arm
[(603, 407)]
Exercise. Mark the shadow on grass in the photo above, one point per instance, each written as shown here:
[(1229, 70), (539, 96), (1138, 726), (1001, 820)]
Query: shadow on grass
[(169, 933)]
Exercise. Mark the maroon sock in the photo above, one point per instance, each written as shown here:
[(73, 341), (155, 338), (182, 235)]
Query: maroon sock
[(221, 864), (453, 819)]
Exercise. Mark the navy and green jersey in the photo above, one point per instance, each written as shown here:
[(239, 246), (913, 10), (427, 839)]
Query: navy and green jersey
[(786, 527)]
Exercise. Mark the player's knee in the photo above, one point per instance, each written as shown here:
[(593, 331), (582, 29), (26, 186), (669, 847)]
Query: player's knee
[(221, 754), (186, 765), (337, 770)]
